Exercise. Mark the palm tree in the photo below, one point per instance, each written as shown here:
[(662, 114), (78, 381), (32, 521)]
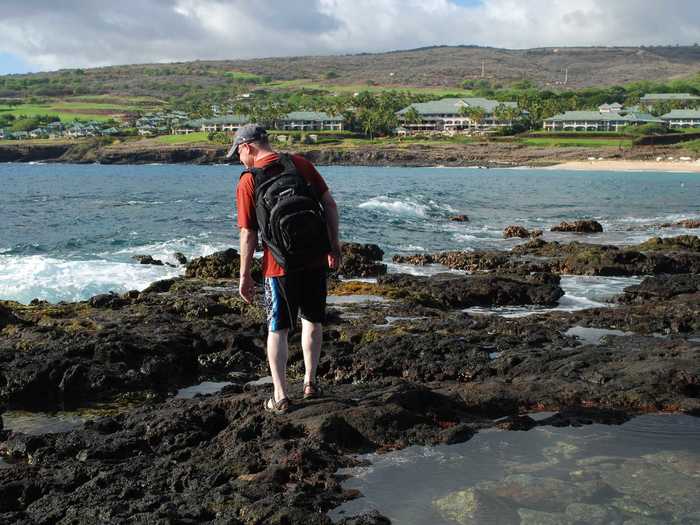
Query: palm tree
[(506, 113), (474, 113), (412, 116)]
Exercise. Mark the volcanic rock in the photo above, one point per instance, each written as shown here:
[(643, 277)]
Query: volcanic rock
[(180, 257), (459, 218), (661, 287), (219, 265), (520, 232), (585, 226), (681, 243), (463, 291), (7, 317), (685, 223), (107, 300), (361, 260), (147, 259), (515, 231)]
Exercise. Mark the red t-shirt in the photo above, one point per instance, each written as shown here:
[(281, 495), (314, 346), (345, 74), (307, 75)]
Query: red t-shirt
[(245, 203)]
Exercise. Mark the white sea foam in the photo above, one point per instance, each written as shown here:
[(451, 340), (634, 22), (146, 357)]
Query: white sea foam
[(411, 207), (427, 270), (27, 277), (463, 237), (580, 293), (190, 246), (412, 248), (396, 206)]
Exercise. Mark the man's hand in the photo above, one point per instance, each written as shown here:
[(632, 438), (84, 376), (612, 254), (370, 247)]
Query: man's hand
[(335, 258), (247, 288)]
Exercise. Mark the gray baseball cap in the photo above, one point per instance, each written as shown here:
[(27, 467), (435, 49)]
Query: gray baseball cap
[(246, 133)]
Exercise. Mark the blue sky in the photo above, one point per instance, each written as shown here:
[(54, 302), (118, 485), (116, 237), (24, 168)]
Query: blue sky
[(40, 35)]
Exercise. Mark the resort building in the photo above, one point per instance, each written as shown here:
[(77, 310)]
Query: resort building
[(615, 107), (682, 118), (597, 121), (310, 121), (455, 114), (160, 123), (294, 121), (229, 123), (654, 98)]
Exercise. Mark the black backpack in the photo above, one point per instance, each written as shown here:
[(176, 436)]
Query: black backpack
[(291, 220)]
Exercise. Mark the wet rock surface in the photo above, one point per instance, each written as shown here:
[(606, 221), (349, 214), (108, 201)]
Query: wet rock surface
[(219, 265), (463, 291), (361, 260), (147, 259), (658, 255), (585, 226), (520, 232), (133, 343), (661, 287), (410, 369)]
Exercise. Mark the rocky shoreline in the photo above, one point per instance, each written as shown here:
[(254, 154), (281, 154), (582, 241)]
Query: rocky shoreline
[(410, 367), (482, 154)]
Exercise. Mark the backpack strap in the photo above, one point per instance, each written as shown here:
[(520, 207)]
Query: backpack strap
[(287, 163), (261, 175)]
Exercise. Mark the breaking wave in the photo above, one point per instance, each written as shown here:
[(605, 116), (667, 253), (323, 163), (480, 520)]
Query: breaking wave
[(39, 277), (418, 207)]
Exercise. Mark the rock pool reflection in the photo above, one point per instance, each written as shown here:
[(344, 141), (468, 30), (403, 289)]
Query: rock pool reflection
[(645, 471)]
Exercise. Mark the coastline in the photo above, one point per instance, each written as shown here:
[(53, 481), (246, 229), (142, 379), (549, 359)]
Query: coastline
[(451, 376), (629, 165), (482, 154)]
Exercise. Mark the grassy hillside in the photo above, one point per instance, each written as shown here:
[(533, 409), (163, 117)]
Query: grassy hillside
[(435, 70), (99, 108)]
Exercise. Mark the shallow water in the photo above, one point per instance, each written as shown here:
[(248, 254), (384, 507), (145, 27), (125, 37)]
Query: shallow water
[(646, 469), (593, 336), (62, 421), (204, 388), (355, 299), (580, 292), (69, 231), (36, 423)]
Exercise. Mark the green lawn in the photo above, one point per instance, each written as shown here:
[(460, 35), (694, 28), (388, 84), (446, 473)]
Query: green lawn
[(353, 141), (192, 138), (692, 145), (68, 110), (582, 142)]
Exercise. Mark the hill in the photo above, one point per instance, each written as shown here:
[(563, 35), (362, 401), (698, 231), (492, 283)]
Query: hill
[(434, 68)]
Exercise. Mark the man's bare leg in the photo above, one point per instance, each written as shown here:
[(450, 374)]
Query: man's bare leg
[(277, 353), (311, 339)]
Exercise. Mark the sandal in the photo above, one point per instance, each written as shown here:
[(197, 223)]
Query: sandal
[(277, 407), (312, 391)]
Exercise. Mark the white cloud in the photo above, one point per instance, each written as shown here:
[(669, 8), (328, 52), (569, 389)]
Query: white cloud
[(75, 33)]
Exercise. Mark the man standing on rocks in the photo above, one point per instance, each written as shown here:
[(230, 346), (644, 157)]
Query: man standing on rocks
[(285, 201)]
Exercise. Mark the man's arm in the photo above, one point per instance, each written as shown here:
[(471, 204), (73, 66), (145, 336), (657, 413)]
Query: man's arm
[(332, 220), (249, 240)]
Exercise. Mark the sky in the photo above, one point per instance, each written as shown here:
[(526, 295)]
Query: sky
[(40, 35)]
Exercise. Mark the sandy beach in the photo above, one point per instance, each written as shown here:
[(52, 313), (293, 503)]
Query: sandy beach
[(631, 165)]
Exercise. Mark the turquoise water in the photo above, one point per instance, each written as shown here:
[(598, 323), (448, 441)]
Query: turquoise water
[(69, 231)]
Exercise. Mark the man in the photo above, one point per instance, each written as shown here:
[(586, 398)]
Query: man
[(286, 292)]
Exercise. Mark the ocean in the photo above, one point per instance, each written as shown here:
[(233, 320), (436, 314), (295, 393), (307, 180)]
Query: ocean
[(69, 231)]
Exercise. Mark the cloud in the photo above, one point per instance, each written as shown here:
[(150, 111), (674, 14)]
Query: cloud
[(77, 33)]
